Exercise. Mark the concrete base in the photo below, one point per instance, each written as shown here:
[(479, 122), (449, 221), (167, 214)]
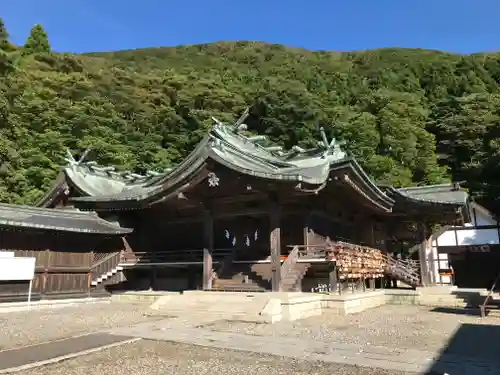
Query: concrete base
[(354, 303), (144, 296), (274, 307), (294, 306), (48, 304), (436, 297)]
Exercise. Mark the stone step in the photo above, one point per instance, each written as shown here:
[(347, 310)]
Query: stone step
[(181, 312), (236, 286)]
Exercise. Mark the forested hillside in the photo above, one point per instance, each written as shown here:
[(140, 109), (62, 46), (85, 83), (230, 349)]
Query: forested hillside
[(409, 116)]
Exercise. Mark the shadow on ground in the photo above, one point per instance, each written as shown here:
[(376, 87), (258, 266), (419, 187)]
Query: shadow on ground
[(458, 311), (473, 349)]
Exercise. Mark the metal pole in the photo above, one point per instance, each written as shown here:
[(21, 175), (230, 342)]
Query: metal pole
[(29, 293)]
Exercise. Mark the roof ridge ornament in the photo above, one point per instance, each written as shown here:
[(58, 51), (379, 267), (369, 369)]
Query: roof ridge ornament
[(294, 151), (332, 148), (218, 124), (236, 127), (239, 124), (72, 161)]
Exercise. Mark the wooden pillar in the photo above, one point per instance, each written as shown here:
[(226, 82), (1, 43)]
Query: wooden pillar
[(275, 246), (305, 230), (91, 263), (45, 278), (333, 278), (421, 253), (208, 243)]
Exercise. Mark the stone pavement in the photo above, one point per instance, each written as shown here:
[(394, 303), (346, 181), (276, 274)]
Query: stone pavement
[(195, 329), (18, 359), (192, 332)]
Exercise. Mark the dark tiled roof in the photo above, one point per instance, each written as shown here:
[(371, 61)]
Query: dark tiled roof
[(443, 194), (66, 220)]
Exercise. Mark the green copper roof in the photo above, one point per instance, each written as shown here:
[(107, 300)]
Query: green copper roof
[(66, 220), (229, 145), (450, 194)]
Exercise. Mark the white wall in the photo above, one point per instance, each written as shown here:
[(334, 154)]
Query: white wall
[(468, 237), (13, 268), (480, 217)]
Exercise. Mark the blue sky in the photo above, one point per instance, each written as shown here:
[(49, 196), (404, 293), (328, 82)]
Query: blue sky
[(102, 25)]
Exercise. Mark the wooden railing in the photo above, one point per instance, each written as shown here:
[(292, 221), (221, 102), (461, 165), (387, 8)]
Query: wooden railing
[(484, 305), (312, 251), (99, 257), (171, 256), (407, 270), (288, 265)]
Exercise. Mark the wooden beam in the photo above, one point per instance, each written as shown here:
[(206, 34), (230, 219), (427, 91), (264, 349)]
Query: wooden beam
[(422, 251), (275, 245), (208, 239)]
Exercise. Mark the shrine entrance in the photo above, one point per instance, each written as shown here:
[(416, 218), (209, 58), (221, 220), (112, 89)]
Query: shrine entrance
[(247, 235), (475, 266)]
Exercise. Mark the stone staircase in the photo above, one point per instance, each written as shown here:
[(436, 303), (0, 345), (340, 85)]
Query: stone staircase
[(292, 272), (403, 270), (291, 282), (200, 306), (239, 277)]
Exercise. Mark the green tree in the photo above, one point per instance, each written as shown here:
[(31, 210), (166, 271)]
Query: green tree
[(4, 36), (409, 116), (6, 60), (37, 41)]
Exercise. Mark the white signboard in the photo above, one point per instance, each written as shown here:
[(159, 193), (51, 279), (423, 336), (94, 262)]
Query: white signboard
[(6, 254), (13, 268)]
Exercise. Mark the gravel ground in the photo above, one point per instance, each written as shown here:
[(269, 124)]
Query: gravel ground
[(36, 326), (154, 357), (406, 327)]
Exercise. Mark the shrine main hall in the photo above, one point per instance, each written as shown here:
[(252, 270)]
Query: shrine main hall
[(233, 215)]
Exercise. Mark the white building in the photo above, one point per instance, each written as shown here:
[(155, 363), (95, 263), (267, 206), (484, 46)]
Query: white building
[(476, 236)]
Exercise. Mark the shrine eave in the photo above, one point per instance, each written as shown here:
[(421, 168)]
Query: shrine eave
[(365, 182), (443, 194), (61, 220)]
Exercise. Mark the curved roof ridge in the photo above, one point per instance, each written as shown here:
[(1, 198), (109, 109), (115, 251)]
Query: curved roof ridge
[(449, 196)]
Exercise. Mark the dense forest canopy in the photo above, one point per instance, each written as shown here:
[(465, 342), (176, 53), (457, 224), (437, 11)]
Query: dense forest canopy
[(410, 116)]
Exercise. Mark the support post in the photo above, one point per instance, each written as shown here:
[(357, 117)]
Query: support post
[(305, 230), (45, 279), (30, 288), (333, 279), (208, 242), (422, 256), (91, 263), (275, 246)]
